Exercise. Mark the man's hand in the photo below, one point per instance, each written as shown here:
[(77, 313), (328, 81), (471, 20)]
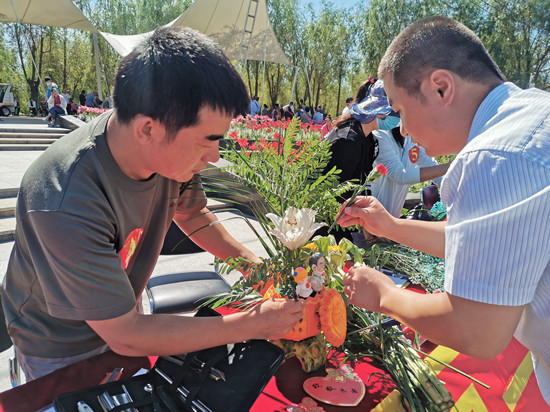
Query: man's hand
[(366, 286), (367, 212), (273, 318), (476, 329)]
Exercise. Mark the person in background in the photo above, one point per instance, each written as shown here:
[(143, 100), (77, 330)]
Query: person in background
[(306, 115), (254, 106), (116, 184), (301, 109), (82, 97), (16, 107), (327, 127), (276, 112), (66, 95), (287, 113), (353, 145), (71, 107), (265, 111), (57, 106), (32, 107), (90, 99), (97, 101), (43, 107), (349, 102), (50, 86), (453, 98), (318, 116)]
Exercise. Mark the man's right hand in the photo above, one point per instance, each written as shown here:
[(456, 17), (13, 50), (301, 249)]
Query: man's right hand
[(369, 213), (273, 318)]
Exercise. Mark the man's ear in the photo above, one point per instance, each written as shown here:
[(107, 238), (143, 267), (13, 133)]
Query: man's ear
[(442, 86), (146, 129)]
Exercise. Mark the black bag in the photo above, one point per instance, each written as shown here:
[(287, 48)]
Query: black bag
[(188, 382)]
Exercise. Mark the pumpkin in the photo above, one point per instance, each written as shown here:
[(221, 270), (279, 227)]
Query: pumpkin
[(310, 324), (333, 317)]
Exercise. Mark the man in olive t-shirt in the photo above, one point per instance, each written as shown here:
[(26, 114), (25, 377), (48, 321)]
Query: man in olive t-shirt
[(93, 210)]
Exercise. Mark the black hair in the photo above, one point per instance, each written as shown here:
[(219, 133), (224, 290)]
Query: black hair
[(174, 74), (313, 259), (437, 43)]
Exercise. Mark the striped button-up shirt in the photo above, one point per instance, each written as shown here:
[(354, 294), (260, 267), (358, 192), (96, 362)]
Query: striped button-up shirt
[(497, 193)]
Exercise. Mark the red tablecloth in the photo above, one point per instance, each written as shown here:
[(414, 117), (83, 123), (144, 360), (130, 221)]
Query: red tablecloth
[(510, 375)]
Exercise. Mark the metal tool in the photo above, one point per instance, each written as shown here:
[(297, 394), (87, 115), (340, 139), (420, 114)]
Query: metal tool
[(113, 376), (386, 323), (109, 402), (183, 392), (197, 364)]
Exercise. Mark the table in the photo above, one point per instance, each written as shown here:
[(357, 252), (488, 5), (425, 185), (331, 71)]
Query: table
[(513, 385)]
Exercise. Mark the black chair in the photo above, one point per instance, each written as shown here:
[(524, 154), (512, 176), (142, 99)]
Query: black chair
[(185, 291)]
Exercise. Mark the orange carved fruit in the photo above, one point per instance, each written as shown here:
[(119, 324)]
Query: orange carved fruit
[(333, 317), (310, 324)]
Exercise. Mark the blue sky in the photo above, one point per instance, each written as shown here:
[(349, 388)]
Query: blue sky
[(340, 4)]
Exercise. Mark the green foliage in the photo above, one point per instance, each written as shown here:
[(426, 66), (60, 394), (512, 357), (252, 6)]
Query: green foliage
[(284, 174), (420, 268)]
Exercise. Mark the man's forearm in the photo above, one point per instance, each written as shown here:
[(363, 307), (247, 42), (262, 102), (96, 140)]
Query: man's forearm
[(473, 328), (428, 237), (432, 172), (169, 334), (211, 236)]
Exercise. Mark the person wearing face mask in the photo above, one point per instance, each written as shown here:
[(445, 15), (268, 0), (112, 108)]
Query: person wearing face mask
[(51, 85), (406, 163), (388, 122)]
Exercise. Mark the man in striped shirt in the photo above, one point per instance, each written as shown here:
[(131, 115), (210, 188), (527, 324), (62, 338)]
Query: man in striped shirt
[(453, 98)]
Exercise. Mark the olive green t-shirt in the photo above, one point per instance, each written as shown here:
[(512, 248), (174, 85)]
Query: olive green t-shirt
[(86, 242)]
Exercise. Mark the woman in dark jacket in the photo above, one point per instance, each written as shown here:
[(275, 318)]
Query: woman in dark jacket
[(353, 146)]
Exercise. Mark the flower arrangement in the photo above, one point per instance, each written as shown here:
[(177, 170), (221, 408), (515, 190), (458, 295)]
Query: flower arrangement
[(295, 191)]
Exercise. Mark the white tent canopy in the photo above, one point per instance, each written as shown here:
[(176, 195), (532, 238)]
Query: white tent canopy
[(222, 20), (57, 13)]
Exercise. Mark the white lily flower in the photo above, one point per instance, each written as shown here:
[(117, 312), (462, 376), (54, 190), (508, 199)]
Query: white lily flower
[(295, 228)]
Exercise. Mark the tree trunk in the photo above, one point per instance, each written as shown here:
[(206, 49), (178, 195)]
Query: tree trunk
[(339, 92), (257, 78), (64, 82)]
